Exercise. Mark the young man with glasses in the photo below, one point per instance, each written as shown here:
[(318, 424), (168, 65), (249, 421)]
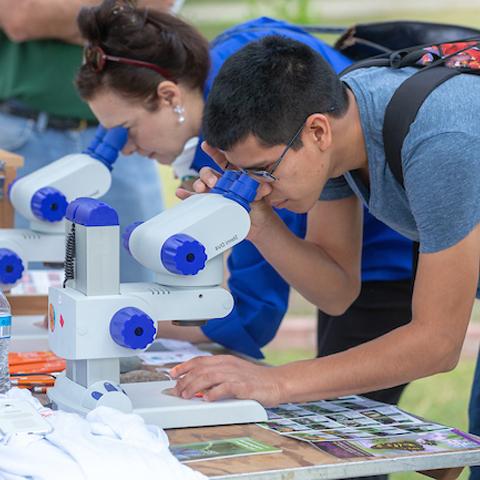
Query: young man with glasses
[(259, 100)]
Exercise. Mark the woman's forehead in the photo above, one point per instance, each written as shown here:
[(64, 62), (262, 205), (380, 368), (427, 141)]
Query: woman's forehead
[(111, 109)]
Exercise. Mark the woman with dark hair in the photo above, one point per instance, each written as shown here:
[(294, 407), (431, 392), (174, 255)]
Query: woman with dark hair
[(145, 70), (151, 72)]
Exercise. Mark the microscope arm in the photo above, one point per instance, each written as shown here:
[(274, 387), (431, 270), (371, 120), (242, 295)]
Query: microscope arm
[(185, 244), (42, 196)]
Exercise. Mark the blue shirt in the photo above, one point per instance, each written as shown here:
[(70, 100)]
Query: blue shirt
[(260, 293), (440, 204)]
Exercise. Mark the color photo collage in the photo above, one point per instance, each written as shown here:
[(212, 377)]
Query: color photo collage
[(329, 424)]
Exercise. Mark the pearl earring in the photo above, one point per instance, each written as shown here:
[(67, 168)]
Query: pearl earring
[(180, 111)]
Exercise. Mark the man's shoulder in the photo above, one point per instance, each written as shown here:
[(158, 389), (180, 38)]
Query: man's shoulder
[(374, 82), (459, 91), (450, 113), (452, 107)]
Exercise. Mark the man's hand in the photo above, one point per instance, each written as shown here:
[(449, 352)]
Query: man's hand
[(225, 376), (207, 180), (261, 214), (219, 157), (208, 176)]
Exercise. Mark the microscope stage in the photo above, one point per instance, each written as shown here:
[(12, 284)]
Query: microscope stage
[(152, 401)]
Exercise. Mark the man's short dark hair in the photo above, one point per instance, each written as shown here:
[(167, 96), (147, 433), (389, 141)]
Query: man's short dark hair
[(268, 88)]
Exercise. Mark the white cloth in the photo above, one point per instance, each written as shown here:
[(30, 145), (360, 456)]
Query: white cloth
[(106, 444)]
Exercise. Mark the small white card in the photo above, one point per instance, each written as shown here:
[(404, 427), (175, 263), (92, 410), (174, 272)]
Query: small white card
[(18, 416)]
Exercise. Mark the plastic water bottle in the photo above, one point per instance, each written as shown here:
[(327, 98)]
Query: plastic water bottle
[(5, 333)]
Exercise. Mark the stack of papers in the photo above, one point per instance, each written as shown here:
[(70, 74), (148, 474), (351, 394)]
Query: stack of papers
[(355, 426)]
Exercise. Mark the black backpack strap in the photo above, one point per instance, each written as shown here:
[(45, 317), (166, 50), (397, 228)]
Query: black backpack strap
[(394, 59), (403, 108)]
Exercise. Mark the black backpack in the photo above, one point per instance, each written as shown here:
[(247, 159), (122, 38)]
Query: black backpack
[(439, 51)]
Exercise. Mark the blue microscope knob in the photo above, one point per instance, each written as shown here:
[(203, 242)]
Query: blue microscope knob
[(49, 204), (183, 255), (132, 328), (11, 267)]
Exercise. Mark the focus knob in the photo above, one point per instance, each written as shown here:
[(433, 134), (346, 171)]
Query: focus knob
[(11, 266), (183, 255), (132, 328), (49, 204)]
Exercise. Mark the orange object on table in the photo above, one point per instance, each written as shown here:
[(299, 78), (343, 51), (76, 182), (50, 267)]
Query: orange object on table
[(20, 358), (35, 362), (32, 380), (39, 367)]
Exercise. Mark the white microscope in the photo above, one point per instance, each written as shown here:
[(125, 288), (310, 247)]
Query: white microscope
[(42, 198), (95, 320)]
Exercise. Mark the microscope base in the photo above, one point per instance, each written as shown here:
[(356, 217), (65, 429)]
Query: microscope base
[(150, 401), (157, 407)]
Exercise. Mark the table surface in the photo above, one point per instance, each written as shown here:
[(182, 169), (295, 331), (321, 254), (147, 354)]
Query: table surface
[(301, 461)]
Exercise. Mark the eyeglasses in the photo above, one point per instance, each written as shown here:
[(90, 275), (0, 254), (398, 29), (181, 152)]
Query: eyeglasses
[(267, 175), (97, 58)]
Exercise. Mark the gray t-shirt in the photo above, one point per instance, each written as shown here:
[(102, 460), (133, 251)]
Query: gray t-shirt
[(440, 204)]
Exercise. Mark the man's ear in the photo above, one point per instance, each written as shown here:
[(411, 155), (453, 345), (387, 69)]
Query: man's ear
[(169, 94), (319, 130)]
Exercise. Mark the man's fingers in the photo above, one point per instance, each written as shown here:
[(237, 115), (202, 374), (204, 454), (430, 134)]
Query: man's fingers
[(208, 176), (208, 179), (183, 368), (216, 154), (198, 380), (203, 361), (262, 191), (201, 374), (222, 391), (182, 194), (199, 186)]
